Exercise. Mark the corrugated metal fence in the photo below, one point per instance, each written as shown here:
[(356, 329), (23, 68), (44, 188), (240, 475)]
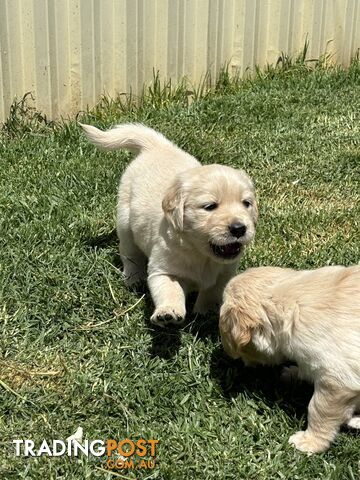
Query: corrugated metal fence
[(69, 52)]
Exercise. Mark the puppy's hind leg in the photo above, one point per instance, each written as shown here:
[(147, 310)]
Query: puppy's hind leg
[(134, 261), (329, 408)]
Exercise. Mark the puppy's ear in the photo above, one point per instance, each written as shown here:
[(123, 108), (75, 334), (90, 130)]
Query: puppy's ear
[(236, 327), (173, 205)]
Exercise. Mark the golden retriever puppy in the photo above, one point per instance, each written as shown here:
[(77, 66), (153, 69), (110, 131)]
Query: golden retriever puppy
[(312, 318), (180, 224)]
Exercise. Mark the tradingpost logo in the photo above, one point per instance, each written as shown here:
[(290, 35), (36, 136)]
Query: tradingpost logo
[(118, 454)]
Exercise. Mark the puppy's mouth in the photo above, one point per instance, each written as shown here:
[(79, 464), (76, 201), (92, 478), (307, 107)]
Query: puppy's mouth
[(226, 251)]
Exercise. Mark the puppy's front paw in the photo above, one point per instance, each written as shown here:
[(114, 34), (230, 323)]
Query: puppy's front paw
[(308, 442), (354, 422), (201, 309), (166, 315), (205, 305), (290, 374)]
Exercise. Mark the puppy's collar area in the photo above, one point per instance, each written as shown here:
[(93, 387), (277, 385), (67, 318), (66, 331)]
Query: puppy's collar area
[(227, 250)]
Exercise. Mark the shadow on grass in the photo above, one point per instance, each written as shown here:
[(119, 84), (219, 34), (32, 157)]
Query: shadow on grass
[(261, 382), (202, 326), (105, 241), (166, 341), (264, 384), (102, 241)]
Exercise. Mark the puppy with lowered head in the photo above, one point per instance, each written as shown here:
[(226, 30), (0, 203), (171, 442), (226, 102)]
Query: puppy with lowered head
[(180, 224), (312, 318)]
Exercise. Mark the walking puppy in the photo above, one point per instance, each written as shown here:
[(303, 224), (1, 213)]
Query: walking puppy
[(312, 318), (180, 224)]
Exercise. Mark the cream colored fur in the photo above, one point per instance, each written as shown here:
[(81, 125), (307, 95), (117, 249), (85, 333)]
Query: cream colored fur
[(312, 318), (166, 232)]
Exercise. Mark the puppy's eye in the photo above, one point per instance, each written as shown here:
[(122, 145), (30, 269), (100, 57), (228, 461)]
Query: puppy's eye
[(210, 206), (247, 203)]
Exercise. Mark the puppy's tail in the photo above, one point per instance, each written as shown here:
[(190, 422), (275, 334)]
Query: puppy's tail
[(130, 136)]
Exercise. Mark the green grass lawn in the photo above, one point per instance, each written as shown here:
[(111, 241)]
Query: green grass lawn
[(77, 348)]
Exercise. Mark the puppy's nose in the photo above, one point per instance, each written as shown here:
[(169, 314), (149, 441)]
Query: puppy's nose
[(237, 229)]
